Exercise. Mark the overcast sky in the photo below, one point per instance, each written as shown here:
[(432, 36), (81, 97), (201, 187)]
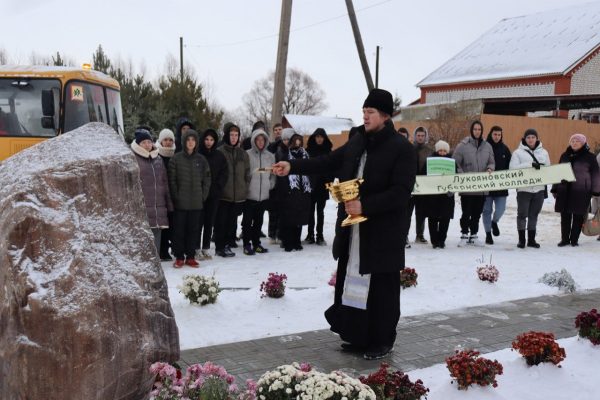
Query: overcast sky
[(232, 43)]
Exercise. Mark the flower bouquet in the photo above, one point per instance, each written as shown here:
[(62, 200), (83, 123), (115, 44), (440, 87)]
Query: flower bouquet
[(274, 286), (408, 277), (589, 325), (200, 289), (333, 279), (394, 385), (539, 347), (201, 382), (487, 272), (467, 368), (301, 381)]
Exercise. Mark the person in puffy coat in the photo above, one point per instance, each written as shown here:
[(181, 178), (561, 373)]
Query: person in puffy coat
[(495, 201), (293, 193), (155, 187), (257, 198), (318, 145), (530, 153), (422, 150), (573, 198), (219, 173), (166, 149), (234, 192), (473, 154), (189, 182), (439, 208)]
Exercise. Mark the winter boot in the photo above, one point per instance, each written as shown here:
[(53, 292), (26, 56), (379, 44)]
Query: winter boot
[(310, 239), (474, 241), (420, 239), (531, 240), (488, 238), (464, 238), (321, 241), (521, 243), (248, 250), (495, 229)]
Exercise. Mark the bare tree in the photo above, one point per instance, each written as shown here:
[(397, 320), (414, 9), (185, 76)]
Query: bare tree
[(3, 57), (303, 95)]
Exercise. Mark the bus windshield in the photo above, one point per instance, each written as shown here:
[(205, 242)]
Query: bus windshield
[(21, 107)]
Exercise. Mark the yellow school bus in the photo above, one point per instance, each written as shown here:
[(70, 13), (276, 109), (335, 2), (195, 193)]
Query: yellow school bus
[(40, 102)]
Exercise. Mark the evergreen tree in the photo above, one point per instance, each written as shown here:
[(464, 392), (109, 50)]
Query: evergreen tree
[(101, 62), (58, 61)]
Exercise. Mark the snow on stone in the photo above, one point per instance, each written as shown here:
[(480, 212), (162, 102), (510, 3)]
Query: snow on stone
[(544, 43)]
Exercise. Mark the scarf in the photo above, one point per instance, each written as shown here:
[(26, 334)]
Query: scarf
[(299, 182), (356, 286), (165, 152)]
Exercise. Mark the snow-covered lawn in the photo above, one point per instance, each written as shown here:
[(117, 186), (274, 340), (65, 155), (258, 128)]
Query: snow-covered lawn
[(447, 280), (576, 379)]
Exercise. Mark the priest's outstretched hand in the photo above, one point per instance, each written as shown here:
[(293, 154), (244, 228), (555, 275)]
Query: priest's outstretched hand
[(282, 168)]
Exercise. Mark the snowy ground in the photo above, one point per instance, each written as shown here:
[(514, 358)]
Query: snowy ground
[(577, 377), (447, 280)]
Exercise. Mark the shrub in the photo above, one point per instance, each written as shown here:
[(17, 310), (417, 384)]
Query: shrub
[(539, 347), (488, 273), (562, 280), (300, 381), (467, 368), (394, 385), (408, 277), (274, 286), (589, 325), (200, 289)]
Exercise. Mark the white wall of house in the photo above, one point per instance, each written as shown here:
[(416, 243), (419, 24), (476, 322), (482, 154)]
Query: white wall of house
[(448, 96)]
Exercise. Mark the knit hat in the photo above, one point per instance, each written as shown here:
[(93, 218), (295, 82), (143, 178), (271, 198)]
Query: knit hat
[(530, 132), (287, 133), (381, 100), (441, 145), (165, 134), (141, 135), (580, 137)]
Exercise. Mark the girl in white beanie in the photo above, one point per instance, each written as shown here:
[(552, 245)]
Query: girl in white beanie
[(166, 149)]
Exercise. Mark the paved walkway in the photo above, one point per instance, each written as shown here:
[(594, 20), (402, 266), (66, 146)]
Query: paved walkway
[(422, 340)]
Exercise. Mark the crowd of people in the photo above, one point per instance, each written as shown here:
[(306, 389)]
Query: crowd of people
[(476, 154), (195, 187)]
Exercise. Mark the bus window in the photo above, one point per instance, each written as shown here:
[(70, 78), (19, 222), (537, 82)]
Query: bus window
[(21, 107), (114, 110), (84, 102)]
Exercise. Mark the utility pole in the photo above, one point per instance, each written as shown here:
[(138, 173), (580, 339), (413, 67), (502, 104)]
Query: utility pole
[(281, 66), (181, 69), (377, 68), (359, 45)]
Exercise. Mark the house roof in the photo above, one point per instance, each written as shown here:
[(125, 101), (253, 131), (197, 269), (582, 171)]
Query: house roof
[(545, 43), (306, 124)]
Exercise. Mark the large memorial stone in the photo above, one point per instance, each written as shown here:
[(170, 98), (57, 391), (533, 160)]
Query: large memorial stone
[(84, 307)]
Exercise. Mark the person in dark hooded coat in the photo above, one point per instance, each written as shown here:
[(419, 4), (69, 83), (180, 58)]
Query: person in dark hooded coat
[(495, 201), (573, 198), (189, 183), (183, 124), (219, 173), (318, 145), (370, 254), (234, 192)]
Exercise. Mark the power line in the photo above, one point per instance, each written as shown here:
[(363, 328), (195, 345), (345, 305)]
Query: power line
[(274, 35)]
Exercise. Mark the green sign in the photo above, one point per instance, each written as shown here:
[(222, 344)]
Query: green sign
[(441, 166)]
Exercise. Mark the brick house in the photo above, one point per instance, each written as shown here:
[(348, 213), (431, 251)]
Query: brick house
[(551, 53)]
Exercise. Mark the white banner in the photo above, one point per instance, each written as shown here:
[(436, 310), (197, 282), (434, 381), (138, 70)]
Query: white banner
[(490, 181)]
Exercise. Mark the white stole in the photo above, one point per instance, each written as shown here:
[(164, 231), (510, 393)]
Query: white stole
[(356, 286)]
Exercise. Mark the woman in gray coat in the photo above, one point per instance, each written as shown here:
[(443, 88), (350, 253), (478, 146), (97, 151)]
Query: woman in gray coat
[(473, 154)]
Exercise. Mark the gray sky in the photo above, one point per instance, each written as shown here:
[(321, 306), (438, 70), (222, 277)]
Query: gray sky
[(232, 43)]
